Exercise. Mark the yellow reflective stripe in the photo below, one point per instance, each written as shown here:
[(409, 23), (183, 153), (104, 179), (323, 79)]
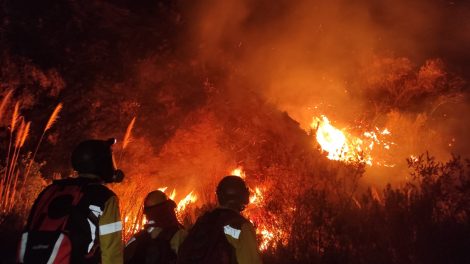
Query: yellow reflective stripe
[(110, 228)]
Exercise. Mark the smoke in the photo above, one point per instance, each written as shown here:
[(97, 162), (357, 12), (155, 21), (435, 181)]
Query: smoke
[(306, 52), (378, 63)]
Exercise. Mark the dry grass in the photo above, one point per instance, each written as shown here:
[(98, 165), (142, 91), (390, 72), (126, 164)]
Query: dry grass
[(53, 118), (5, 102), (128, 136)]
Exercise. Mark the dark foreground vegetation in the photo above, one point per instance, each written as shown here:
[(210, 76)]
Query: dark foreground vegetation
[(424, 221)]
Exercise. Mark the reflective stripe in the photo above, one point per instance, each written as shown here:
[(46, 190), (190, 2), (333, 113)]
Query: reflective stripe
[(150, 222), (55, 251), (150, 229), (235, 233), (110, 228), (96, 210), (24, 240), (130, 241), (93, 235)]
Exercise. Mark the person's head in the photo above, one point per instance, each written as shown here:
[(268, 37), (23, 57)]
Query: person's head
[(96, 157), (160, 209), (233, 193)]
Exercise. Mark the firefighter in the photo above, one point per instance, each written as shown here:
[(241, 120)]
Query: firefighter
[(162, 236), (223, 235), (77, 220)]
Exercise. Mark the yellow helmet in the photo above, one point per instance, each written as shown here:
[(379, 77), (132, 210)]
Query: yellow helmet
[(155, 198)]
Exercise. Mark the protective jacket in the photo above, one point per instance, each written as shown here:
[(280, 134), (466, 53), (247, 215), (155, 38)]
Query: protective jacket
[(220, 236), (243, 240)]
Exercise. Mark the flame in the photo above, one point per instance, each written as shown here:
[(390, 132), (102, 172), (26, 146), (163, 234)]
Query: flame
[(331, 139), (267, 238), (189, 199), (172, 195), (266, 227), (238, 172), (256, 196), (343, 146)]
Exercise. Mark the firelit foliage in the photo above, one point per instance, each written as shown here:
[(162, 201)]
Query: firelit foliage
[(425, 221)]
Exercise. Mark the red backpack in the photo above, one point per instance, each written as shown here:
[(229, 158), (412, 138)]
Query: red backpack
[(47, 236)]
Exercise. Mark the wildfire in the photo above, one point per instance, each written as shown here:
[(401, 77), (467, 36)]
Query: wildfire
[(134, 221), (342, 146), (238, 172), (183, 203), (267, 230), (256, 196)]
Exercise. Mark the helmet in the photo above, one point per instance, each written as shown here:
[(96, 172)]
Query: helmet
[(160, 210), (232, 191), (155, 198), (96, 157)]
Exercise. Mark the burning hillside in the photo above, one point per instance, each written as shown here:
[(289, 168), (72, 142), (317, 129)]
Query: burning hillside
[(318, 105)]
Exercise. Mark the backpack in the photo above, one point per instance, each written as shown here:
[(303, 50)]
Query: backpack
[(150, 250), (48, 238), (206, 242)]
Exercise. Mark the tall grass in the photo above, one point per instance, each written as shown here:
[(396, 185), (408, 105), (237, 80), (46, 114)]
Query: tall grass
[(12, 170), (3, 106), (19, 133), (52, 119), (5, 102), (6, 176), (24, 136)]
